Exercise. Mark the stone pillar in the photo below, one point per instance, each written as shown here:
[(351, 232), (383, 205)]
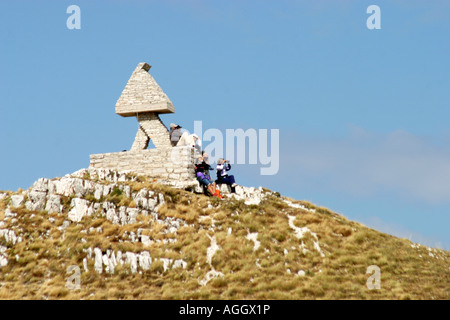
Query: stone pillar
[(154, 129), (141, 141)]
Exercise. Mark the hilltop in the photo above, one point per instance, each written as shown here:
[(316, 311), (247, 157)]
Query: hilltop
[(129, 237)]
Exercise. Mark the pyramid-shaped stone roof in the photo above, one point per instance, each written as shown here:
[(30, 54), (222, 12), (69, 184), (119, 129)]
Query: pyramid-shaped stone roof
[(143, 94)]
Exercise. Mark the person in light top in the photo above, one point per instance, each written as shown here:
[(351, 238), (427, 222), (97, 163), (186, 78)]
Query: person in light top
[(223, 166), (179, 139)]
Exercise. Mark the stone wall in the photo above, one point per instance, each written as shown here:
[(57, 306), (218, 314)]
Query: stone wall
[(172, 163)]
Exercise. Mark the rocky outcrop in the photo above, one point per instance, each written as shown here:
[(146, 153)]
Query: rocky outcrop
[(89, 190), (136, 262), (111, 225)]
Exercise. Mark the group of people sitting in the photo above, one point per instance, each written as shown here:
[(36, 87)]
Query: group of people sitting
[(202, 167)]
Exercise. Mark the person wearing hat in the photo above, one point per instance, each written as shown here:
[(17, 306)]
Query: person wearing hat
[(223, 166), (203, 176), (196, 142), (175, 134), (178, 138)]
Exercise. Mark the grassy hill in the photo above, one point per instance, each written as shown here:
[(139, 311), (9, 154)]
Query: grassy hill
[(130, 238)]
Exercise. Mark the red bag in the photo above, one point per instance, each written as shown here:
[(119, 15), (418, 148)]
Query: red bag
[(217, 194)]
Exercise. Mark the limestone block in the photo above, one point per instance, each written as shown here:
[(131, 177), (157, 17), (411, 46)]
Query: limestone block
[(224, 188), (3, 257), (145, 260), (80, 208), (112, 216), (54, 204), (98, 191), (132, 214), (174, 176), (159, 171), (69, 186), (185, 176), (40, 185), (98, 265), (36, 201), (146, 241), (17, 200), (179, 264), (131, 259)]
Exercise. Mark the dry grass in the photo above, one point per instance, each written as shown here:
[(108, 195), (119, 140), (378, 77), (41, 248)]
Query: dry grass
[(37, 267)]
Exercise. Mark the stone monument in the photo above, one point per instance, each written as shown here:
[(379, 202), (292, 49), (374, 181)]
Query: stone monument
[(144, 99)]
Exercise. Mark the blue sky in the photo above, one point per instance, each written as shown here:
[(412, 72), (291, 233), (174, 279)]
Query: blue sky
[(363, 114)]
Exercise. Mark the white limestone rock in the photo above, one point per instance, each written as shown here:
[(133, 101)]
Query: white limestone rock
[(54, 204), (110, 262), (132, 214), (98, 265), (80, 208), (142, 200), (112, 216), (17, 200), (146, 241), (89, 187), (10, 236), (9, 214), (253, 237), (180, 263), (40, 185), (300, 232), (166, 263), (3, 256), (81, 173), (250, 195), (98, 191), (85, 265), (131, 259), (301, 273), (224, 188), (145, 260), (36, 200), (107, 189), (297, 206), (212, 274), (123, 215), (125, 189), (68, 186)]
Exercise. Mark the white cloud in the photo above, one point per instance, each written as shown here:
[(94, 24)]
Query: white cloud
[(365, 163)]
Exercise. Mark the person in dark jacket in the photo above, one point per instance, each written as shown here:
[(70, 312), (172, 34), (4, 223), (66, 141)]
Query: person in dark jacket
[(202, 174)]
